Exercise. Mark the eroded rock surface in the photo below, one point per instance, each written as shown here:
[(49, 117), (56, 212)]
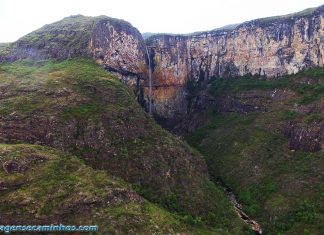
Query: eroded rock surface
[(268, 47)]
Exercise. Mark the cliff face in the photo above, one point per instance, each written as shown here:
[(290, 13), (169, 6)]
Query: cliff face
[(120, 48), (115, 44), (268, 47)]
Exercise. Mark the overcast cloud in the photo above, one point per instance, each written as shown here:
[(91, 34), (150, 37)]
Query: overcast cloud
[(19, 17)]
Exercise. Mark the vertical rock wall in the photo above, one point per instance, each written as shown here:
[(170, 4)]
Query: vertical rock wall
[(120, 48), (268, 47)]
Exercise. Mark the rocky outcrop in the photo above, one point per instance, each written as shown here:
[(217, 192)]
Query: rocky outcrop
[(113, 43), (309, 138), (308, 135), (267, 47), (120, 48)]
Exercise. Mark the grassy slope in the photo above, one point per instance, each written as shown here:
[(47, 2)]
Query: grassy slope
[(282, 189), (76, 106), (3, 44), (63, 39), (307, 84), (70, 35), (40, 185)]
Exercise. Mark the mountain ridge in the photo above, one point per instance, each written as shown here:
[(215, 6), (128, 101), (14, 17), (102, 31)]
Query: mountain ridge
[(271, 47), (230, 27), (56, 92)]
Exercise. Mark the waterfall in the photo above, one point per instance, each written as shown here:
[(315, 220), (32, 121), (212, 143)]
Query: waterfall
[(150, 82)]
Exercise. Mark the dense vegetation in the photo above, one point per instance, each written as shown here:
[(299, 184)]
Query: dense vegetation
[(249, 151), (43, 185), (77, 107), (310, 89)]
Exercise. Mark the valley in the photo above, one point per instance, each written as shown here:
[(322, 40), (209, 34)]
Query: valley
[(216, 132)]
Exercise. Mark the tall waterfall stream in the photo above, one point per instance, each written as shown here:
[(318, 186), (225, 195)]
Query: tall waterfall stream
[(150, 83)]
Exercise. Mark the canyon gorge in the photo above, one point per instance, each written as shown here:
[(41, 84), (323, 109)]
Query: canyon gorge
[(246, 102)]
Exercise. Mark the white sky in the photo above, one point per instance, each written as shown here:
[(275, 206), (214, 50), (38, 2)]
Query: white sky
[(19, 17)]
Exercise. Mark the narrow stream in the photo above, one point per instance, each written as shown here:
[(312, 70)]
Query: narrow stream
[(239, 210), (150, 83)]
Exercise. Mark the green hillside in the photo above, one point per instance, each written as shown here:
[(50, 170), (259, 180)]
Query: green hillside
[(75, 106), (60, 40), (262, 139), (40, 185)]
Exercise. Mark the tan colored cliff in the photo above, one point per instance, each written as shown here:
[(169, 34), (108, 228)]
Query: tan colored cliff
[(120, 48), (268, 47)]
